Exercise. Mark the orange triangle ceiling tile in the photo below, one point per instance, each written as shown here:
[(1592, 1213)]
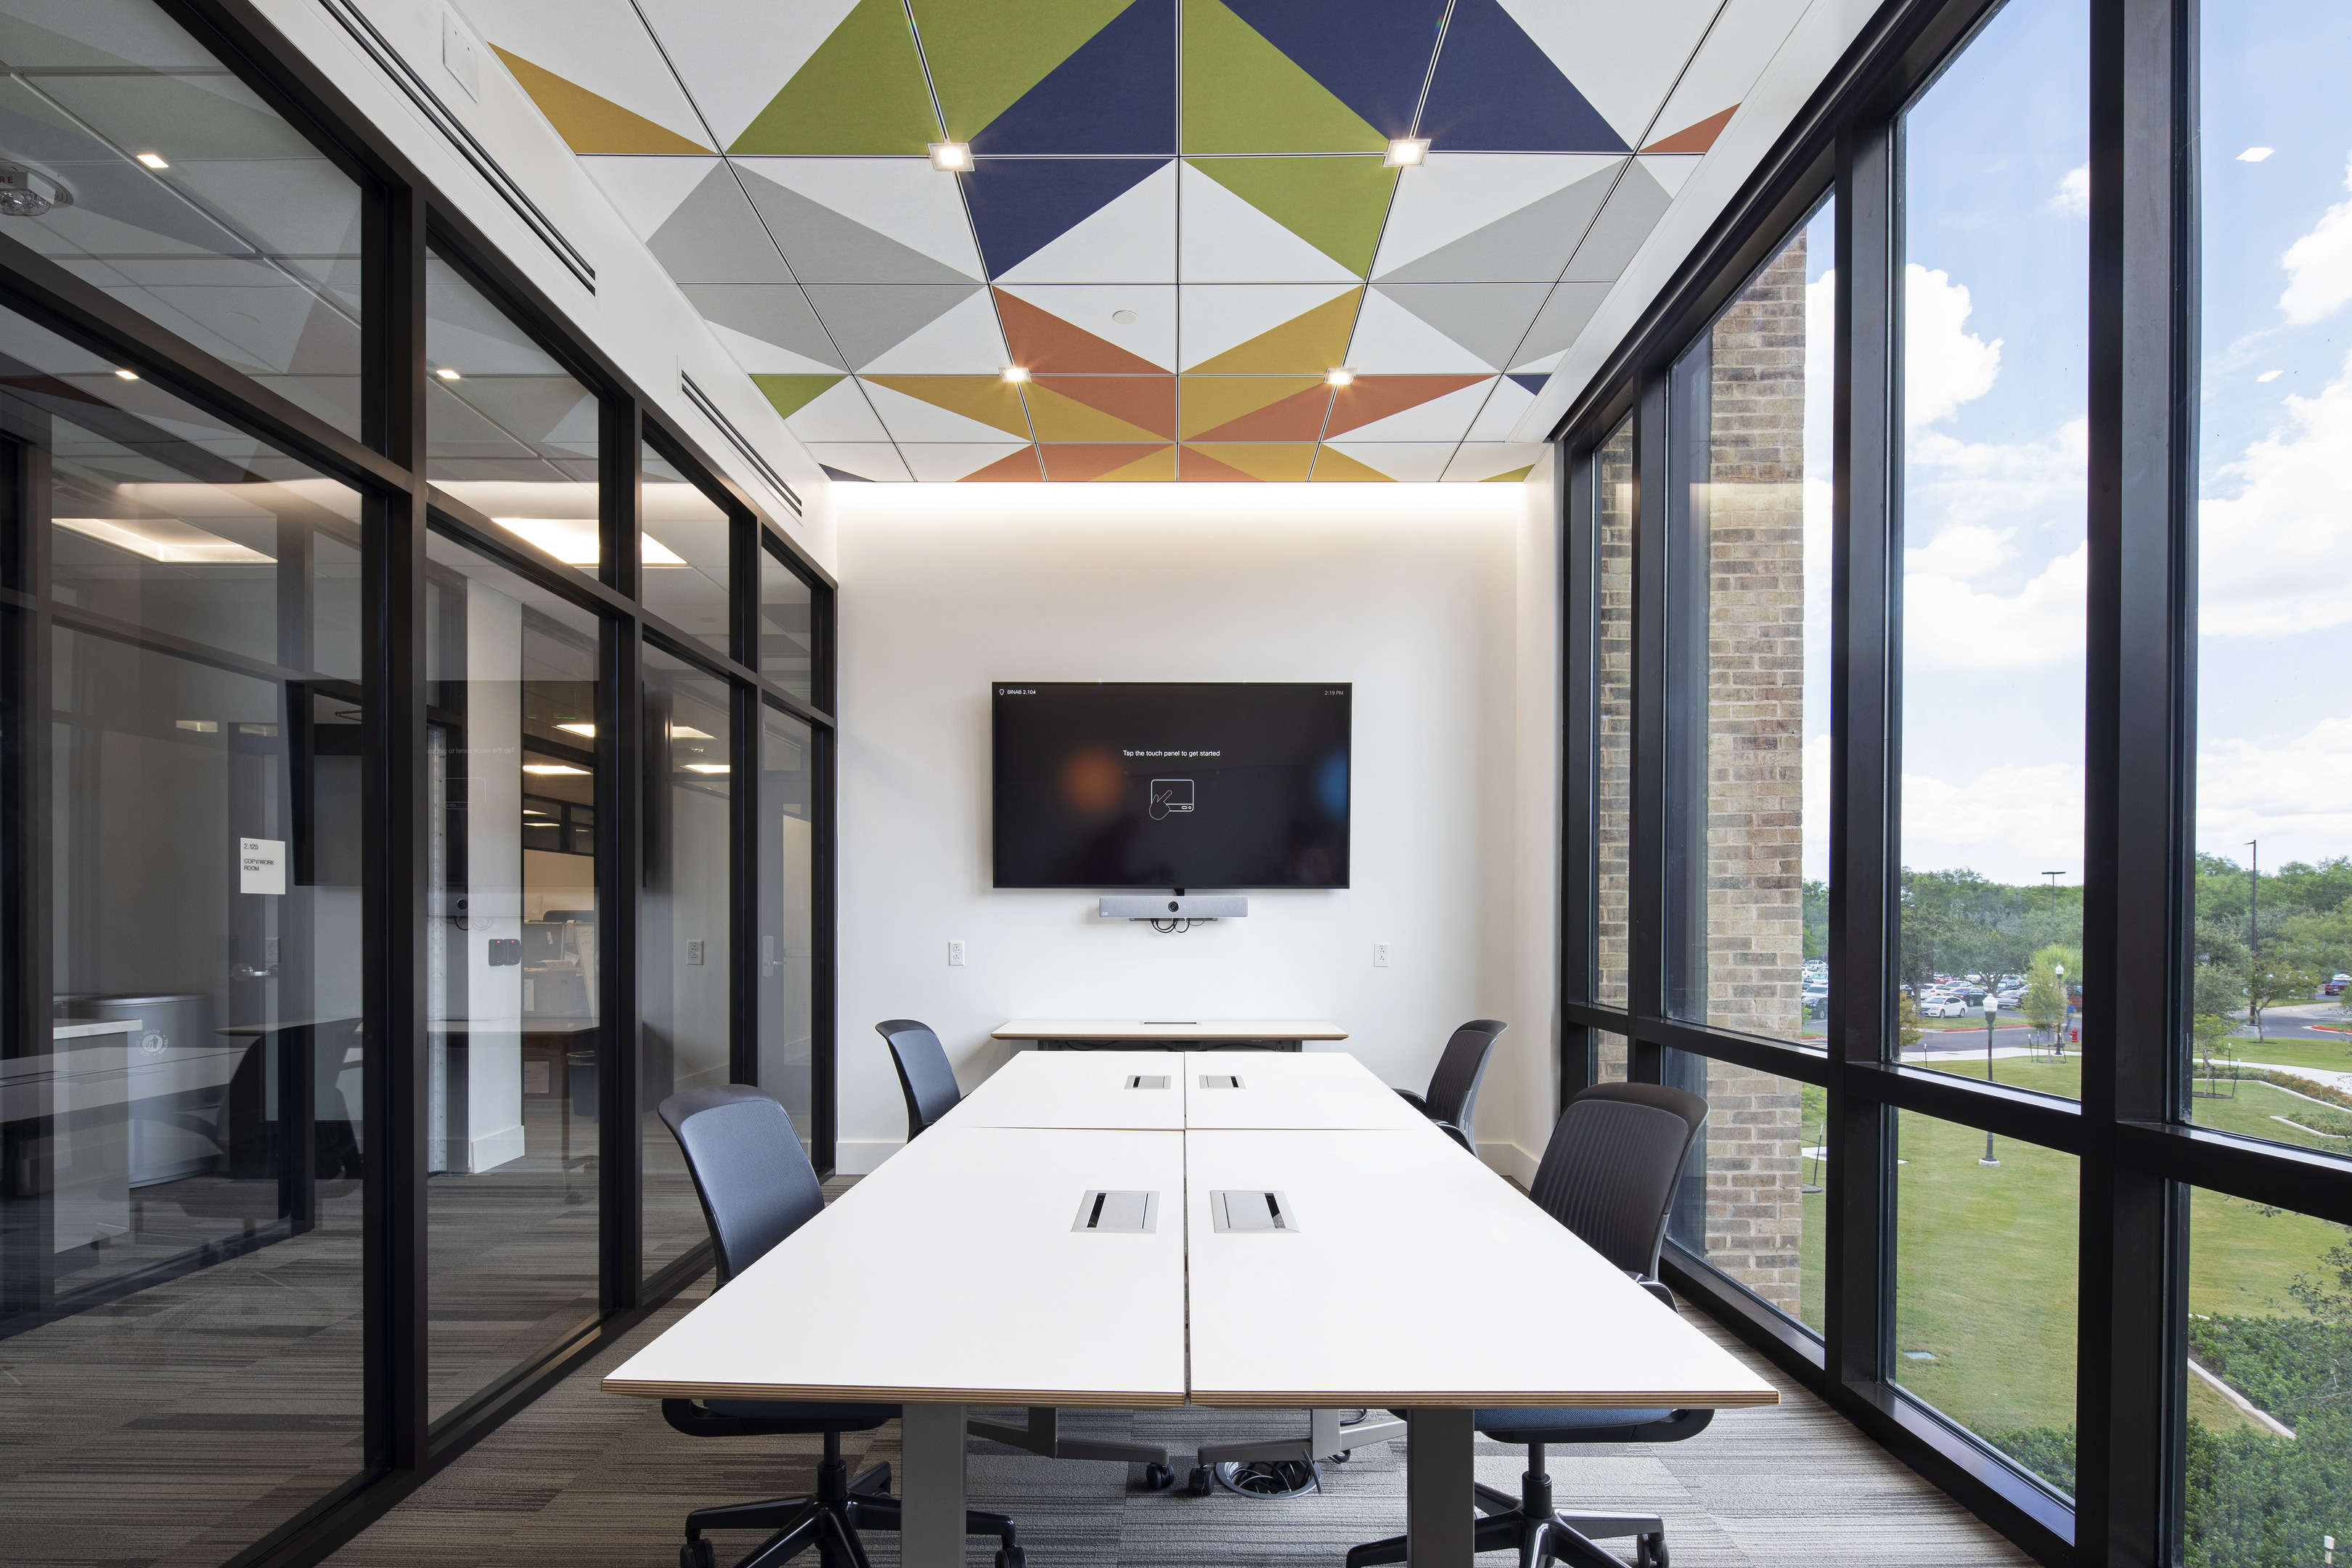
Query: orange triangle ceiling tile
[(1160, 464), (1275, 461), (1014, 467), (1103, 407), (1254, 408), (1696, 138), (1043, 341), (1095, 460), (589, 122), (1310, 344)]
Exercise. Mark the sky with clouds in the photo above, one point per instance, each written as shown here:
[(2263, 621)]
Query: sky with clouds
[(1995, 343)]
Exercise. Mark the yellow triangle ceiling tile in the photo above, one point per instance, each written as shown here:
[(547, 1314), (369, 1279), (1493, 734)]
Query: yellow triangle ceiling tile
[(1273, 461), (1060, 418), (1159, 464), (588, 121), (1332, 464), (1306, 344)]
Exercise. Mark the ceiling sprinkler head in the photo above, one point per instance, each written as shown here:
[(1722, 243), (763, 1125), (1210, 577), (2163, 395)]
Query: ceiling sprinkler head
[(28, 193)]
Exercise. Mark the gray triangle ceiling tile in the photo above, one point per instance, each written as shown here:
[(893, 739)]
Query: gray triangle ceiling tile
[(714, 237), (1530, 245), (825, 247), (1488, 318), (1562, 318), (776, 313), (868, 319), (1634, 210)]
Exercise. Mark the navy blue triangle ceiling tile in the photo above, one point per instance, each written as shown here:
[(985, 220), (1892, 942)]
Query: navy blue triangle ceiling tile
[(1116, 94), (1496, 91), (1531, 384), (1373, 55), (1021, 206)]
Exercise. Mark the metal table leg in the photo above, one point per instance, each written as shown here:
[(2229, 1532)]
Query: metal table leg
[(1441, 1504), (930, 1512)]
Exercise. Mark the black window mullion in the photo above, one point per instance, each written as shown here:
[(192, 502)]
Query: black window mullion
[(1579, 534), (824, 1016), (1684, 500), (622, 750), (1645, 890), (745, 882)]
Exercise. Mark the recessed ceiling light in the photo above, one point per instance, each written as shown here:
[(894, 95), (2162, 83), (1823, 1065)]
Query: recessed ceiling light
[(955, 157), (153, 160), (1016, 373), (577, 729), (551, 768), (167, 540), (128, 375), (446, 374), (1406, 150), (2255, 154), (2269, 375), (1339, 377)]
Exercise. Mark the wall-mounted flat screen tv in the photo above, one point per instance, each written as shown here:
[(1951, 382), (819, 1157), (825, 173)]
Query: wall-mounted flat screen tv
[(1171, 785)]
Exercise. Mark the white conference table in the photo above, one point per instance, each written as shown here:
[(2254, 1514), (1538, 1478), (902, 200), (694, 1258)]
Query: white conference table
[(957, 1275), (1097, 1033)]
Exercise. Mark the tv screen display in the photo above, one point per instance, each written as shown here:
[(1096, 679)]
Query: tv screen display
[(1192, 785)]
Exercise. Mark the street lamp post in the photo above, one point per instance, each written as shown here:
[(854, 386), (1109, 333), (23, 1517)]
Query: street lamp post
[(2065, 1011), (1992, 1012)]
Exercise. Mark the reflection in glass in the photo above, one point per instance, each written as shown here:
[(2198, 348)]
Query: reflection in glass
[(1985, 1260), (687, 544), (1751, 1198), (1751, 500), (1614, 716), (2273, 888), (179, 1157), (512, 980), (2269, 1347), (164, 180), (685, 933), (787, 628), (785, 885), (1996, 185)]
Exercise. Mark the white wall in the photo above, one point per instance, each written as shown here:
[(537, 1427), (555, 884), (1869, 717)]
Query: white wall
[(1412, 591)]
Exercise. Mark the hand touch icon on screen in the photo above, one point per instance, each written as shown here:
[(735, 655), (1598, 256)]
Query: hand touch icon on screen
[(1171, 796)]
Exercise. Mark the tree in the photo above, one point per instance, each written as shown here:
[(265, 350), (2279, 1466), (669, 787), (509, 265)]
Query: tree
[(1909, 1030), (2045, 987), (2274, 976), (1817, 920)]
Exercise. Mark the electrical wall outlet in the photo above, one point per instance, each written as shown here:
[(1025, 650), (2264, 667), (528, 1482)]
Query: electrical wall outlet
[(1379, 955), (955, 953), (694, 954)]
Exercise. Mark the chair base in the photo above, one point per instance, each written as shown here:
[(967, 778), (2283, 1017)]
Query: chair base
[(830, 1520), (1541, 1534)]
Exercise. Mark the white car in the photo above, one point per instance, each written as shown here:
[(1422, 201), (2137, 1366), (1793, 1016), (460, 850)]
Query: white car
[(1943, 1007)]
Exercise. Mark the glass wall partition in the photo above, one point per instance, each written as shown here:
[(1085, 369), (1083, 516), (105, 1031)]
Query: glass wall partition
[(788, 634), (785, 885), (686, 550)]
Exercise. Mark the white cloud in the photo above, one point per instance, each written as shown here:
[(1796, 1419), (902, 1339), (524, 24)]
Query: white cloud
[(2270, 557), (2010, 822), (1963, 550), (1948, 625), (2073, 194), (2290, 795), (1944, 364), (2319, 265)]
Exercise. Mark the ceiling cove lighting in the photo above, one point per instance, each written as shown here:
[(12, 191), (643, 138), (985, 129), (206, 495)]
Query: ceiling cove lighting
[(1405, 152), (955, 157), (708, 768), (1340, 376), (167, 540), (153, 160), (1015, 375)]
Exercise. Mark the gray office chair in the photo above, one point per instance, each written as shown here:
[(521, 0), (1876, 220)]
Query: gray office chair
[(1453, 1098), (929, 1085), (757, 1188), (1608, 1176)]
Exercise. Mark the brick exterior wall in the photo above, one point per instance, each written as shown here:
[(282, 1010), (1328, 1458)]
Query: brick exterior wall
[(1614, 735)]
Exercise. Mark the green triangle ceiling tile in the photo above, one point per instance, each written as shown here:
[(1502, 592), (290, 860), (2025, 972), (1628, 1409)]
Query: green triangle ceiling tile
[(791, 394), (1243, 94), (861, 92), (1336, 205), (985, 53), (588, 121)]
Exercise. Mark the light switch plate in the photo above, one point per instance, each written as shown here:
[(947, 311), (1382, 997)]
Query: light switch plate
[(694, 951), (955, 953), (1379, 955)]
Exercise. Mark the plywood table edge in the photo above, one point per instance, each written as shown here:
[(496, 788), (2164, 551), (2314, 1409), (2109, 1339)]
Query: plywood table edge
[(859, 1393), (1129, 1032), (1488, 1399)]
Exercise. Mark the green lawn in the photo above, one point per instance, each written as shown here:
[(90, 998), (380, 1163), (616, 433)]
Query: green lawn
[(2327, 1055)]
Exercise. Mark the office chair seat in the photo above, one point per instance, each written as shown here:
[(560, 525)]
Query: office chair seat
[(785, 1415), (1503, 1425)]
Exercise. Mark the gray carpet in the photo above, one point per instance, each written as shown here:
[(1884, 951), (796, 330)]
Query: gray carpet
[(584, 1478)]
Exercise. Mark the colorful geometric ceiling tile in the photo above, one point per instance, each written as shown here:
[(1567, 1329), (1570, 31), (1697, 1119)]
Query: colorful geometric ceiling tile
[(1633, 209), (1696, 138), (1254, 408), (791, 394), (1408, 461), (877, 461), (1336, 205), (949, 408), (1040, 326), (1571, 305), (1370, 398), (756, 357), (1334, 465), (1229, 240), (1242, 94), (731, 55), (943, 462), (1672, 172), (866, 319), (1455, 195), (646, 191), (1746, 35), (1494, 92), (824, 245), (1103, 407), (1443, 418), (966, 341), (862, 92), (1504, 403), (904, 204), (591, 122), (1276, 462), (1015, 468), (1622, 58), (1114, 92), (839, 413), (774, 313), (1067, 464), (1158, 465), (1267, 329), (1475, 461), (842, 475), (1130, 238), (1019, 205), (1490, 319), (1525, 246), (1391, 341), (1373, 55), (714, 237)]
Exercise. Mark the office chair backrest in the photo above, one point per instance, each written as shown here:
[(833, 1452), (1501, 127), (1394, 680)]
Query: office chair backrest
[(755, 1181), (1453, 1087), (923, 1072), (1608, 1172)]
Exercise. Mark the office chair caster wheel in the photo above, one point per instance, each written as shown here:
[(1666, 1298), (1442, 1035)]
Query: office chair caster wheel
[(1011, 1557), (697, 1553), (1201, 1482), (1649, 1551), (1158, 1478), (1341, 1457)]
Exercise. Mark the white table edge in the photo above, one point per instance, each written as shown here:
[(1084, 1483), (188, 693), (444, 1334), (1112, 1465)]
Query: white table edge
[(1488, 1399), (873, 1393), (1201, 1029)]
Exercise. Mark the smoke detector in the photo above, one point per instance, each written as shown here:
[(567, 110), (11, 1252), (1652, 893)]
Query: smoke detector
[(29, 193)]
